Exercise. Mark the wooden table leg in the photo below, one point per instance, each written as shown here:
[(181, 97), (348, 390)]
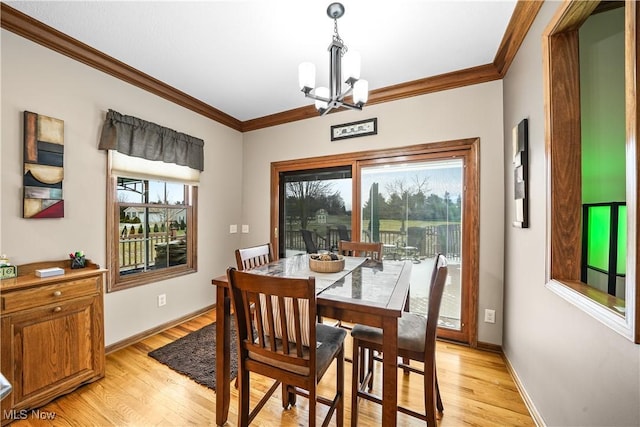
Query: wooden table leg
[(223, 366), (390, 371)]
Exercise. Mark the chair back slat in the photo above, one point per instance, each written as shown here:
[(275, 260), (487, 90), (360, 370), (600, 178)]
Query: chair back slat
[(270, 330), (282, 317), (372, 250), (298, 327), (259, 316), (255, 256)]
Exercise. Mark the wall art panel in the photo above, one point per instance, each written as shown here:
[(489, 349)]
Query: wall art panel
[(43, 166)]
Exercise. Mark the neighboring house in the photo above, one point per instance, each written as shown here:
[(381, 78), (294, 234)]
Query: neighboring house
[(321, 216)]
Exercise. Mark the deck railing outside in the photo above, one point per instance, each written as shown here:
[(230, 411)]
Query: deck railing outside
[(132, 250), (423, 242)]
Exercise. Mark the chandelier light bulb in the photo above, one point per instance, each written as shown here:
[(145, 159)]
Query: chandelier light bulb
[(361, 92), (322, 92)]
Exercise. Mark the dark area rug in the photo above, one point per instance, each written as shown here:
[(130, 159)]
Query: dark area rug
[(194, 355)]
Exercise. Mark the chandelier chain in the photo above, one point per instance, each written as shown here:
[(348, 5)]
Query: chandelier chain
[(337, 38)]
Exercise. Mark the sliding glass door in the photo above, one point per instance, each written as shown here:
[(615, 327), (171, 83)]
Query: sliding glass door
[(418, 201)]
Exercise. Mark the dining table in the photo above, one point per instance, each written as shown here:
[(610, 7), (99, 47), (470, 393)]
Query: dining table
[(366, 291)]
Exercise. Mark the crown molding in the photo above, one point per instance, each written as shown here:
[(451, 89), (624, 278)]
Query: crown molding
[(34, 30), (523, 16)]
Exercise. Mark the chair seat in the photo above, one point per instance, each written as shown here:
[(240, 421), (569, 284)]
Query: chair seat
[(330, 340), (411, 332)]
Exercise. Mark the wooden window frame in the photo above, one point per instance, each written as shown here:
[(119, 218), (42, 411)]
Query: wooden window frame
[(469, 150), (563, 140), (115, 281)]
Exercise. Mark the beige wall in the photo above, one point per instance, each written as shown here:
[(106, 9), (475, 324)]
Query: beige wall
[(576, 371), (39, 80), (474, 111)]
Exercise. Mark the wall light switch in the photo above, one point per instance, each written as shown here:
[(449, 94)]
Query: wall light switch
[(489, 316), (245, 228), (233, 228)]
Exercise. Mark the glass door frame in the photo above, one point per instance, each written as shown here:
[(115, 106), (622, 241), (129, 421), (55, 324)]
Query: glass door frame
[(466, 149)]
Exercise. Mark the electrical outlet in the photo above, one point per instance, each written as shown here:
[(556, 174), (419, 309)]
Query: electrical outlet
[(489, 316), (245, 228), (233, 228), (162, 300)]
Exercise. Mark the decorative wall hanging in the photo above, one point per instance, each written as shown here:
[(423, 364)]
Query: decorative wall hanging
[(521, 173), (43, 166), (354, 129)]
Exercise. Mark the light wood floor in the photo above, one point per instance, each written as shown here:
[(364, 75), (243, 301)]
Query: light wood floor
[(476, 388)]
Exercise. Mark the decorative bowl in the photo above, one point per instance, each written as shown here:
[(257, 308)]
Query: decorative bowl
[(323, 263)]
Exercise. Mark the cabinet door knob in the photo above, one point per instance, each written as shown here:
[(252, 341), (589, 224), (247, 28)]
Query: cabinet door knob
[(57, 293), (57, 309)]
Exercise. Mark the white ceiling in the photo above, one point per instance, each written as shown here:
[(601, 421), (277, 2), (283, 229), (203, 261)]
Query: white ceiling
[(242, 57)]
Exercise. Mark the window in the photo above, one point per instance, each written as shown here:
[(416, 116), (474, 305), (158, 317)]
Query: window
[(153, 231), (570, 130)]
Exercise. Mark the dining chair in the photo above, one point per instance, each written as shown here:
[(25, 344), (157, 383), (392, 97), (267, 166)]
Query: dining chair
[(281, 340), (343, 233), (369, 249), (416, 341), (255, 256)]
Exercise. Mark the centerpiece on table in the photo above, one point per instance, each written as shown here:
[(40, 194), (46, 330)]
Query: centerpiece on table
[(326, 263)]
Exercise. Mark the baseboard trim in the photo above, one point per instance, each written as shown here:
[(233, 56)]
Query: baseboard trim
[(486, 346), (149, 332), (537, 418)]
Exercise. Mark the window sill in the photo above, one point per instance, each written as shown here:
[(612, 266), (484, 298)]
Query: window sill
[(605, 308), (118, 283)]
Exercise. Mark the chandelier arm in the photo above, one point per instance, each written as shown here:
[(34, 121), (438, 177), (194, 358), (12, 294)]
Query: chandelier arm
[(324, 111), (339, 99), (316, 97), (344, 94), (352, 106)]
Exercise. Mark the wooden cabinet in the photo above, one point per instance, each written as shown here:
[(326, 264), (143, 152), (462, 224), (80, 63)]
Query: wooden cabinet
[(52, 334)]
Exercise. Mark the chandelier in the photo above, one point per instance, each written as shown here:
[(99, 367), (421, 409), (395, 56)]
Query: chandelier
[(333, 97)]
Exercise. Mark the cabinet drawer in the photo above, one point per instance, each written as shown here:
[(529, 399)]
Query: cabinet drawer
[(30, 298)]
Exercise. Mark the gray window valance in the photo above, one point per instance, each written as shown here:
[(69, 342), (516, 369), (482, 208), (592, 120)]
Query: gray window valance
[(139, 138)]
